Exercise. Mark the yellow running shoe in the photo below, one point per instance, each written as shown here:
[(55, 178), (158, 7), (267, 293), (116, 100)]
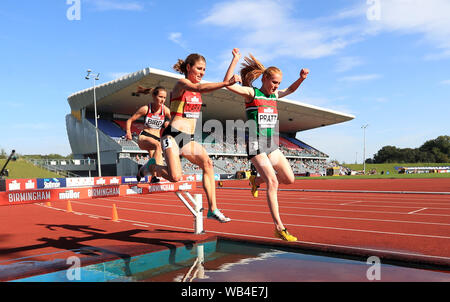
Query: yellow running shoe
[(254, 185), (284, 234)]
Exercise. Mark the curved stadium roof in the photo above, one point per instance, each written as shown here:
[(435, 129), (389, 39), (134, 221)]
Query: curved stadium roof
[(116, 97)]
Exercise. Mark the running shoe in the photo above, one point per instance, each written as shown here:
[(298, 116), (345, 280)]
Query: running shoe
[(284, 234), (154, 179), (138, 175), (217, 215), (255, 187), (141, 172)]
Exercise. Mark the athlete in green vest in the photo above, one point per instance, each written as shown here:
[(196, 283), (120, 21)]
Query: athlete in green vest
[(262, 143)]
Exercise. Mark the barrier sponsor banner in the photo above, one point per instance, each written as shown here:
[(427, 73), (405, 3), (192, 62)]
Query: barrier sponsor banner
[(50, 183), (134, 190), (93, 181), (79, 182), (104, 191), (227, 176), (166, 187), (108, 180), (133, 179), (28, 196), (70, 194), (58, 194), (20, 184)]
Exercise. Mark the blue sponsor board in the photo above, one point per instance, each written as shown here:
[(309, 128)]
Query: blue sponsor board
[(133, 179), (199, 177), (50, 183)]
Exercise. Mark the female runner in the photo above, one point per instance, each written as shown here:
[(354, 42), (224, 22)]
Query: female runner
[(262, 148), (178, 138), (157, 117)]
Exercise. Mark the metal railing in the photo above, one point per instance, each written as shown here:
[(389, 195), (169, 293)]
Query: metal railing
[(63, 167)]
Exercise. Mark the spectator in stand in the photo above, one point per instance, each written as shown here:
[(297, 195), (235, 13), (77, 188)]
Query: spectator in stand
[(157, 117)]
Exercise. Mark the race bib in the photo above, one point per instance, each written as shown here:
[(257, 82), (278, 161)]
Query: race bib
[(192, 106), (154, 121), (267, 117), (166, 143)]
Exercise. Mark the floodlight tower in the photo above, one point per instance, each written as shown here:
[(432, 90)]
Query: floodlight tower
[(364, 149), (96, 78)]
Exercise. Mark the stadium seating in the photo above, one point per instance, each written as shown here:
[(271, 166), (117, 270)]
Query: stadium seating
[(228, 158), (136, 127), (288, 144), (108, 127)]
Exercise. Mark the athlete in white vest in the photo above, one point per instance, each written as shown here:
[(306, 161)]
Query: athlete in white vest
[(157, 117)]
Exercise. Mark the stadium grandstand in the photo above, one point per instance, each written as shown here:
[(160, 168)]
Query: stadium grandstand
[(116, 102)]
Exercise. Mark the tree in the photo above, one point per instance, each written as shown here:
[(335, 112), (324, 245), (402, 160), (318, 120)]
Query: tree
[(432, 151), (3, 154)]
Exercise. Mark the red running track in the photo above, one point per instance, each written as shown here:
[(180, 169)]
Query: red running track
[(412, 228)]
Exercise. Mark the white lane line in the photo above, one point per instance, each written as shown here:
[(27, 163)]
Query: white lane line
[(286, 214), (263, 203), (413, 212), (140, 225), (313, 226)]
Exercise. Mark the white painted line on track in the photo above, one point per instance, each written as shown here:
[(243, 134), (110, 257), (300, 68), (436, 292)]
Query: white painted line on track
[(276, 239), (413, 212), (309, 226), (288, 214), (130, 209), (339, 246), (351, 230)]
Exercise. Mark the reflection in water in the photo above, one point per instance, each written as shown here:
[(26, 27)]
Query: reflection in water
[(197, 268), (228, 261), (237, 262)]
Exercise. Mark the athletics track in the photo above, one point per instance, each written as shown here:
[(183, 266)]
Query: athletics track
[(399, 220)]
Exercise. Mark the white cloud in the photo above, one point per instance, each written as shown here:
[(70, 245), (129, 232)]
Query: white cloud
[(445, 82), (348, 63), (269, 29), (106, 5), (175, 37), (429, 18)]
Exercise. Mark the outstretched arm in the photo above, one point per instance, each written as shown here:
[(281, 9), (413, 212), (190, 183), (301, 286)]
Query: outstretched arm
[(185, 84), (293, 87), (246, 92), (141, 111)]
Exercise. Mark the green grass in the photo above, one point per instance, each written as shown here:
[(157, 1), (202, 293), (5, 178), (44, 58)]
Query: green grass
[(23, 169), (390, 167), (387, 167)]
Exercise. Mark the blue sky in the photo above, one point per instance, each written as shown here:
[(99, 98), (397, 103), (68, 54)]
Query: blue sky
[(386, 62)]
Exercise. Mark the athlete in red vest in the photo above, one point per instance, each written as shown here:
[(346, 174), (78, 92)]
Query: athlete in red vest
[(178, 138)]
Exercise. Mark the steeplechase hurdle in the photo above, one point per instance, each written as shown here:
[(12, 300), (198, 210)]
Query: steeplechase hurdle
[(197, 210), (25, 191)]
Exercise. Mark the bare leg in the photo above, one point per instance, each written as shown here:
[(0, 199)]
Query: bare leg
[(285, 175), (197, 155), (283, 169), (265, 169), (172, 171)]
